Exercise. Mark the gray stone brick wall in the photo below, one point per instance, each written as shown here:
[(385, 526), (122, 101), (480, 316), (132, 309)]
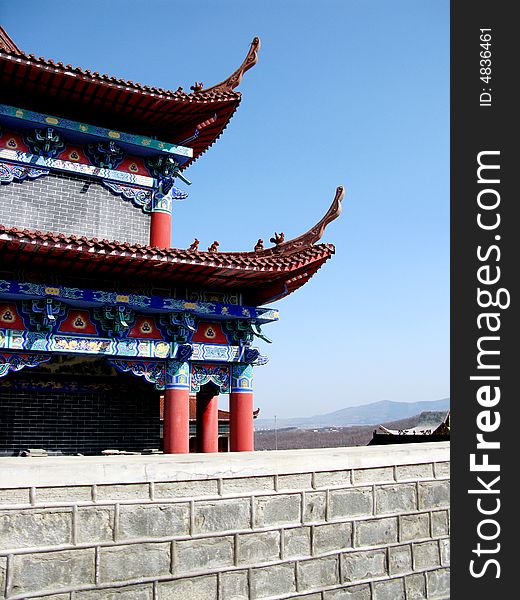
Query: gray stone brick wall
[(372, 533), (123, 415), (72, 205)]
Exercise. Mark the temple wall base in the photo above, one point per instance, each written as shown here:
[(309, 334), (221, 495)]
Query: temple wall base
[(364, 523)]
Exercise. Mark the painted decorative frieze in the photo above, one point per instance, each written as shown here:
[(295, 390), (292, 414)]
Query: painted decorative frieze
[(212, 296), (115, 321), (137, 196), (66, 146), (66, 165), (243, 331), (10, 289), (10, 317), (45, 142), (241, 378), (177, 374), (11, 172), (78, 322), (105, 155), (145, 327), (28, 117), (43, 314), (204, 373), (178, 326), (216, 352), (151, 371), (183, 352), (210, 333), (16, 362), (47, 324)]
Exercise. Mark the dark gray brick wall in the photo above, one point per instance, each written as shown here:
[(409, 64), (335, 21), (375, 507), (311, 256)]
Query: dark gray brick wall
[(72, 205), (124, 416)]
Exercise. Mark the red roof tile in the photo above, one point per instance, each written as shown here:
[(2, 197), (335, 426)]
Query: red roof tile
[(48, 86), (261, 276)]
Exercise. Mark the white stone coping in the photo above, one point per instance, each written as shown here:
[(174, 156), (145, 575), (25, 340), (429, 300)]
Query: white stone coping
[(20, 472)]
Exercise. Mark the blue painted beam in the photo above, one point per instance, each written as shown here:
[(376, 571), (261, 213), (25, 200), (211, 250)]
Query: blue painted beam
[(83, 297), (143, 145)]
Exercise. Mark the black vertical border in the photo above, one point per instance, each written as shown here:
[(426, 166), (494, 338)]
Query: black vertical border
[(475, 129)]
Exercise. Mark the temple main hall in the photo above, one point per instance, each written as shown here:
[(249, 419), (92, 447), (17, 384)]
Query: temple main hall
[(110, 338)]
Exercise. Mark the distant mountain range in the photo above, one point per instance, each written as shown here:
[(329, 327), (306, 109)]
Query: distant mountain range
[(366, 414)]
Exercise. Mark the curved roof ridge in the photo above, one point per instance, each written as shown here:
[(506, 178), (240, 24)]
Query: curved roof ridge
[(296, 245), (261, 279), (225, 88), (26, 235)]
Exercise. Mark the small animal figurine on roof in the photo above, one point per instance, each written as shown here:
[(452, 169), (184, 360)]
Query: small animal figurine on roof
[(278, 238)]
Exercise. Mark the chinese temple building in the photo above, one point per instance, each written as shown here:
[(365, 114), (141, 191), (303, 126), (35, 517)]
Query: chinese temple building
[(431, 427), (99, 315)]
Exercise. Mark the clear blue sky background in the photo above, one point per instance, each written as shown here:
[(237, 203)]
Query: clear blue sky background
[(345, 92)]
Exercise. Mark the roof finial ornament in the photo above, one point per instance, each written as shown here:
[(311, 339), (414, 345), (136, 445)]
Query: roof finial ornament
[(278, 238), (214, 247), (195, 246), (234, 80), (197, 86), (313, 235), (259, 245)]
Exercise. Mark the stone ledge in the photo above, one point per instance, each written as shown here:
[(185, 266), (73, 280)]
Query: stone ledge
[(20, 472)]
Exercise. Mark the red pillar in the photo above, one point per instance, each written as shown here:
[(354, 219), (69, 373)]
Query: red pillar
[(207, 423), (160, 229), (176, 421), (241, 432)]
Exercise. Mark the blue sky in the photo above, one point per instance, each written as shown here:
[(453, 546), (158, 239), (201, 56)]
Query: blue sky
[(345, 92)]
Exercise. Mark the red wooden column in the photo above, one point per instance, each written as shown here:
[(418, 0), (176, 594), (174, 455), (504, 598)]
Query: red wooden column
[(161, 229), (241, 430), (176, 417), (161, 221), (207, 422)]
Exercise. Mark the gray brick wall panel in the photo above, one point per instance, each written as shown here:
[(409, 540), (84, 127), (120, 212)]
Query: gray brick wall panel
[(193, 588), (72, 205), (49, 571), (30, 528), (123, 563)]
